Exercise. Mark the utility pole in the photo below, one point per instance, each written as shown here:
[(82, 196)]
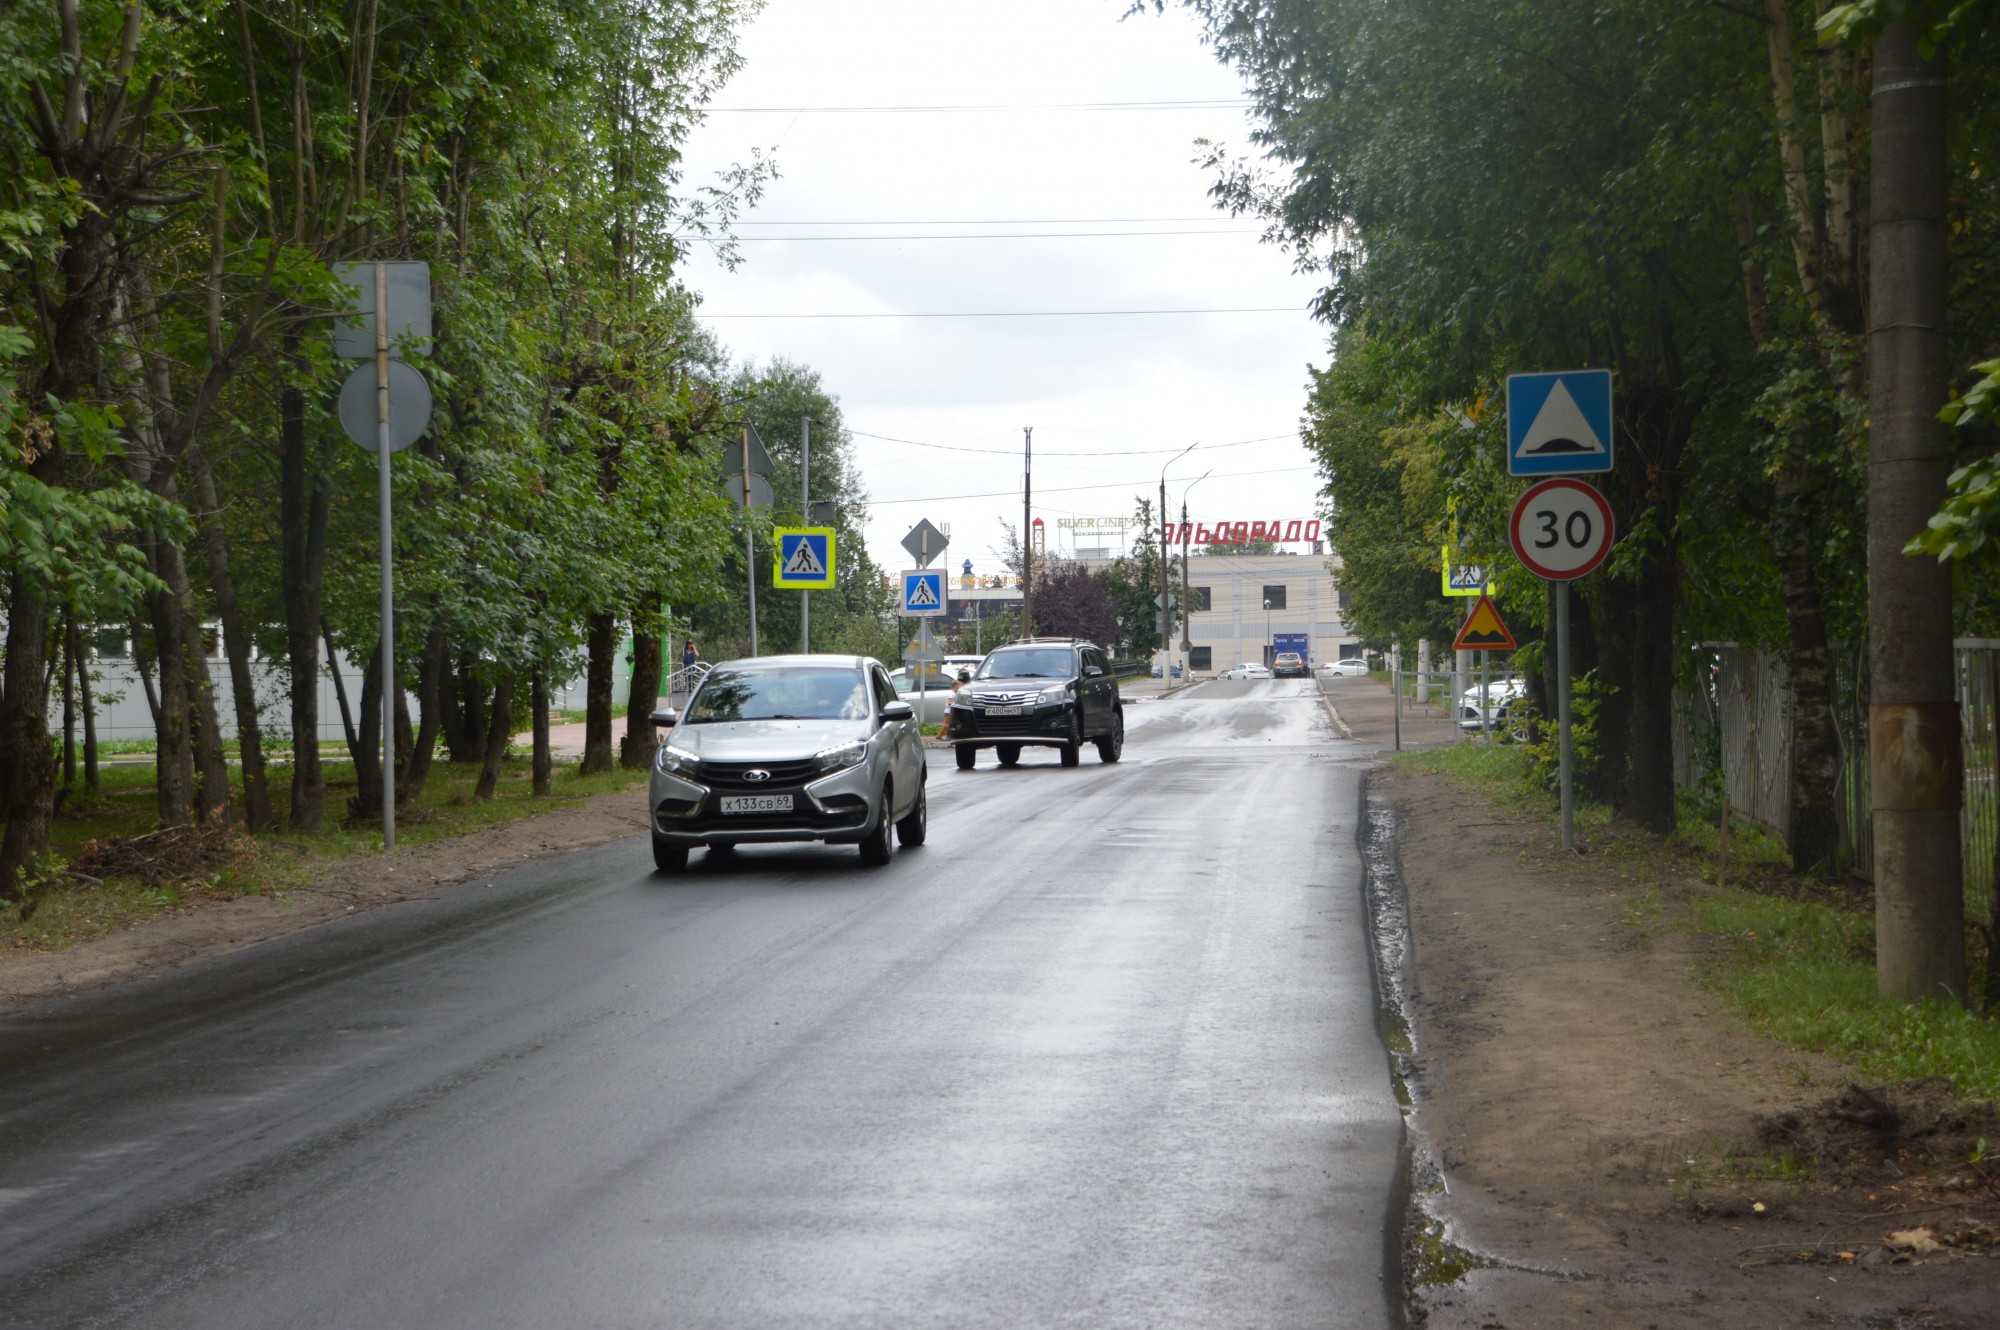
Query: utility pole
[(1166, 594), (1027, 516), (1918, 777), (805, 516)]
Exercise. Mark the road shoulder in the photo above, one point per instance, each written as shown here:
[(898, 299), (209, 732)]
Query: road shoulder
[(1592, 1115), (331, 890)]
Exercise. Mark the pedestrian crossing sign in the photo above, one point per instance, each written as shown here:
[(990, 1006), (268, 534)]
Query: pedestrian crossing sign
[(923, 592), (805, 558)]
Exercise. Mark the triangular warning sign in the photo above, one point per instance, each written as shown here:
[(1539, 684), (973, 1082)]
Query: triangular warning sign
[(923, 594), (804, 560), (1484, 629), (1560, 428)]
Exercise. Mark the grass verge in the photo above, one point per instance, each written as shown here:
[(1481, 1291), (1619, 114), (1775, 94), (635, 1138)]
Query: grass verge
[(68, 910), (1795, 958)]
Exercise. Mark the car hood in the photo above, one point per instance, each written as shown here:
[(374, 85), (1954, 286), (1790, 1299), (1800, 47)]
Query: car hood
[(766, 740)]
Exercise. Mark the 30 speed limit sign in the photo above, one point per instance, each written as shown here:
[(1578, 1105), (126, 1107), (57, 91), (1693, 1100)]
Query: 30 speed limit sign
[(1561, 529)]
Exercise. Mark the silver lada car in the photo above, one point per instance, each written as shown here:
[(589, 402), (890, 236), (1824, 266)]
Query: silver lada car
[(789, 748)]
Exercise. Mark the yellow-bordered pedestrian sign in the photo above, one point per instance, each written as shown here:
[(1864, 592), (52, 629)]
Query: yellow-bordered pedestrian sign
[(805, 558), (1484, 629)]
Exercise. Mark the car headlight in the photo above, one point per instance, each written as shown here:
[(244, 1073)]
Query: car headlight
[(1050, 696), (678, 761), (841, 756)]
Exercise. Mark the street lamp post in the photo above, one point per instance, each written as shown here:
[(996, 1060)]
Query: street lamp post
[(1166, 593), (1267, 633), (1187, 607)]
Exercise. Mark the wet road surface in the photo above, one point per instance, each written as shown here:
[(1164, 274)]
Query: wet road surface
[(1102, 1054)]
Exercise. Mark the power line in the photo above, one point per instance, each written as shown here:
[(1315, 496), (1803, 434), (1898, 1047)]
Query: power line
[(1022, 313), (1185, 104), (995, 235), (1016, 452), (981, 221), (1143, 482)]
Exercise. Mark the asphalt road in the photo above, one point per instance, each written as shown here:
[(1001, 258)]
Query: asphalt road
[(1103, 1053)]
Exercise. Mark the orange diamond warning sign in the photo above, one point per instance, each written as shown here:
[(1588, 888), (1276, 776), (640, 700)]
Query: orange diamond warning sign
[(1484, 629)]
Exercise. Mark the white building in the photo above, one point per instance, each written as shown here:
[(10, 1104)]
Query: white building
[(1239, 606)]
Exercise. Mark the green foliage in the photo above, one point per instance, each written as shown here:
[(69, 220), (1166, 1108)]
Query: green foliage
[(1586, 699), (1971, 513), (1803, 972)]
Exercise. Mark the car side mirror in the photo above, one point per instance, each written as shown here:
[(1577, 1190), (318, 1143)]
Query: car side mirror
[(1092, 671), (898, 711), (663, 716)]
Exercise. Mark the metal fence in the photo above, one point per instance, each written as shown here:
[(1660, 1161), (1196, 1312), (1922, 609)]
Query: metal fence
[(1737, 723)]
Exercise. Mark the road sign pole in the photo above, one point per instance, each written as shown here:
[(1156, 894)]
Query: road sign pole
[(749, 543), (1396, 676), (805, 514), (1566, 772), (382, 451)]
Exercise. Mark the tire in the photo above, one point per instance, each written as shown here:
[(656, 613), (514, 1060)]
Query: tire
[(669, 858), (910, 832), (877, 847), (1072, 753), (721, 847), (1009, 754), (1112, 746), (967, 757)]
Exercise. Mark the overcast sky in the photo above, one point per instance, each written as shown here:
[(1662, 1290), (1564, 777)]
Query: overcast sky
[(1092, 387)]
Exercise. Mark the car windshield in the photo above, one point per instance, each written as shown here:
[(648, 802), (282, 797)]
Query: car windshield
[(1028, 663), (800, 692)]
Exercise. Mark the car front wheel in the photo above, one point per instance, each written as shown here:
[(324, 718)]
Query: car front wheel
[(968, 756), (913, 828), (1009, 754), (876, 849), (668, 857)]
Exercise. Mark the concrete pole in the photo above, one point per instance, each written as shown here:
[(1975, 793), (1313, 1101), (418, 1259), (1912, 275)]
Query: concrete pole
[(1917, 765), (1423, 670)]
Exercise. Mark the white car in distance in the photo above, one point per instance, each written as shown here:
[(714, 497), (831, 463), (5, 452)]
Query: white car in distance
[(1247, 670), (1353, 666)]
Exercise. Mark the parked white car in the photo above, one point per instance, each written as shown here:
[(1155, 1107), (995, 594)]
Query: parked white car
[(1501, 694), (937, 686), (1353, 665), (1249, 669)]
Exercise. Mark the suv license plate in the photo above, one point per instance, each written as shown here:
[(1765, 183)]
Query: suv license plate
[(1005, 711), (756, 803)]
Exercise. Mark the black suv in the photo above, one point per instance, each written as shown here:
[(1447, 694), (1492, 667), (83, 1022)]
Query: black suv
[(1054, 691)]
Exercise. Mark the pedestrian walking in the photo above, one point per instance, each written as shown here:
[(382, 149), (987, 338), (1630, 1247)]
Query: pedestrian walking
[(964, 678), (689, 655)]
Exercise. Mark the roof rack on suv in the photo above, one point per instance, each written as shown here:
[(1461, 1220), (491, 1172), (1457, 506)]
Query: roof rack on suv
[(1065, 639)]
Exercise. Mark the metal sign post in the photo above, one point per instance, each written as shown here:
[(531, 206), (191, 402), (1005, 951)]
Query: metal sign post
[(1561, 530), (382, 450), (386, 293), (805, 512)]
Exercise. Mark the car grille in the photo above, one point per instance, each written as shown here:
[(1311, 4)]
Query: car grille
[(1007, 699), (989, 725), (732, 776)]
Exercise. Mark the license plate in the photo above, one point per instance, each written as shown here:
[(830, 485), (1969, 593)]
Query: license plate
[(1005, 711), (756, 803)]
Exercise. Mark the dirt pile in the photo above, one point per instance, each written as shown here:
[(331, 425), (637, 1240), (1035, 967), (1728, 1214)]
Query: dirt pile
[(172, 856)]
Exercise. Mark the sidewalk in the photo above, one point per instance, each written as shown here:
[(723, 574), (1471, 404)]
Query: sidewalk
[(1366, 709)]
